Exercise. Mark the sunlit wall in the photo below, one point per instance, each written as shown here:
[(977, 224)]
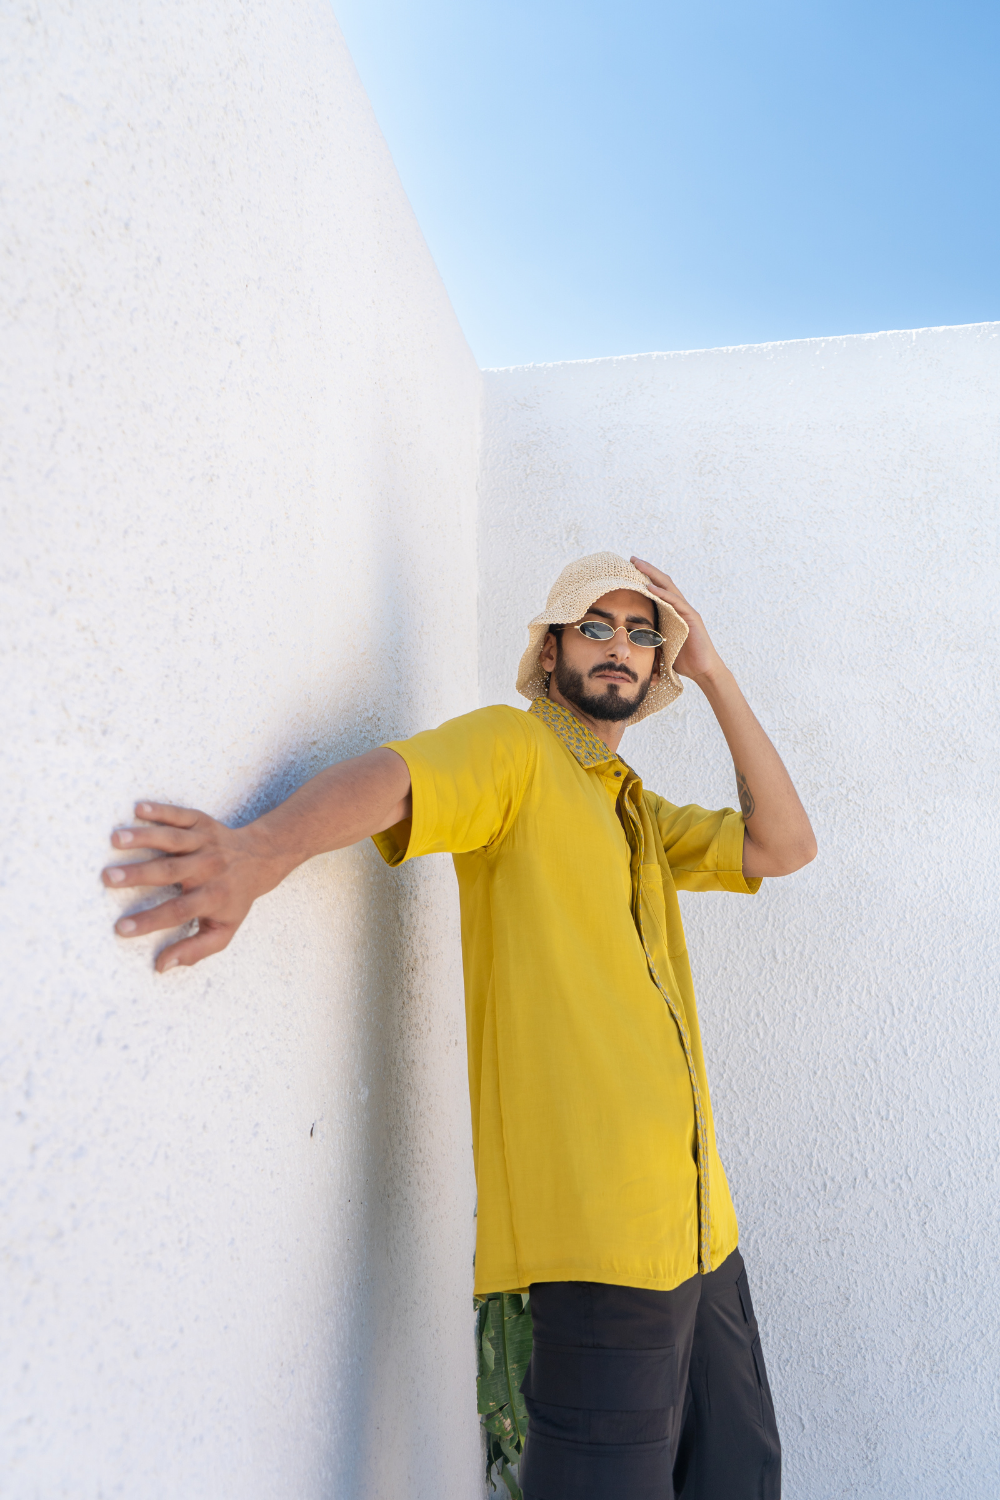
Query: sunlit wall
[(832, 509)]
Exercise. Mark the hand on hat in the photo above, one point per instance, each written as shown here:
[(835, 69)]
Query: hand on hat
[(697, 657)]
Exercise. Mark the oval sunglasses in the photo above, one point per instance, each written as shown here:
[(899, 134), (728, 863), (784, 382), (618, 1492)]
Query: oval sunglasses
[(600, 630)]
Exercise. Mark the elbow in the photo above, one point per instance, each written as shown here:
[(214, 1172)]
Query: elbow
[(781, 857), (784, 859), (799, 855)]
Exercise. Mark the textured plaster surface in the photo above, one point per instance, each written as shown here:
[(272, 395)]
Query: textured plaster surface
[(238, 489), (831, 508)]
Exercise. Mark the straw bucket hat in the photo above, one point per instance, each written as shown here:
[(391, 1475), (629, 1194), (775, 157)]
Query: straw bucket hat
[(578, 586)]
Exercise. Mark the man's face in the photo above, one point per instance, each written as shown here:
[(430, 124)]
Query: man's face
[(604, 679)]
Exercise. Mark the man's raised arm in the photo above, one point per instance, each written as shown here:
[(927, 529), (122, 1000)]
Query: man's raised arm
[(779, 837), (221, 871)]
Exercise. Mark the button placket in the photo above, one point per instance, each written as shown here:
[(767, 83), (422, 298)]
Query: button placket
[(637, 846)]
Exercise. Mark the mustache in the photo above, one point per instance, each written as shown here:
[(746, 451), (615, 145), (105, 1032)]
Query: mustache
[(618, 666)]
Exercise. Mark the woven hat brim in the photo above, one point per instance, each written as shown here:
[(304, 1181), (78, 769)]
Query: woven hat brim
[(532, 680)]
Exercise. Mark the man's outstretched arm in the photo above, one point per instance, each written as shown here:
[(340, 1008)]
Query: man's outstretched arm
[(221, 871), (779, 838)]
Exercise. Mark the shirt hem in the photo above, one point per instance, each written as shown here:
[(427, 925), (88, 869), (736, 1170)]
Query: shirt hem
[(605, 1277)]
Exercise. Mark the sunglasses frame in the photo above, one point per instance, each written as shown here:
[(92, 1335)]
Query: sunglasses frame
[(630, 634)]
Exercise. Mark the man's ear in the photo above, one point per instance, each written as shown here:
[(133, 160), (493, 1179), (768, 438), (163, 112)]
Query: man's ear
[(547, 655)]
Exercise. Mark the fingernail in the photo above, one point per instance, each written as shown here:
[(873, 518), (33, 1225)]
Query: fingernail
[(115, 876), (171, 963), (145, 808), (125, 925), (124, 837)]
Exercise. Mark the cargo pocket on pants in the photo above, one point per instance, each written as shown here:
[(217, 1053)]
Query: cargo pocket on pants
[(602, 1427)]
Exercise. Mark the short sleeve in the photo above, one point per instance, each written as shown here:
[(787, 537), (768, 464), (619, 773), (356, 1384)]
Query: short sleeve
[(704, 849), (467, 780)]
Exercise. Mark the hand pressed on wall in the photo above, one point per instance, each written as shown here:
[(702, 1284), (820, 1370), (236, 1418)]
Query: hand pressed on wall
[(221, 871)]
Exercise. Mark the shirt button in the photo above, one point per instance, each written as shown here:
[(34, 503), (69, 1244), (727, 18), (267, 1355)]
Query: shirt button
[(618, 773)]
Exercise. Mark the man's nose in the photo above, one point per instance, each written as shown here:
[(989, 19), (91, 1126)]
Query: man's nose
[(619, 644)]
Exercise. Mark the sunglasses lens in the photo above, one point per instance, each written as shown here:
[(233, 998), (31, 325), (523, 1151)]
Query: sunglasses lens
[(596, 630), (645, 638)]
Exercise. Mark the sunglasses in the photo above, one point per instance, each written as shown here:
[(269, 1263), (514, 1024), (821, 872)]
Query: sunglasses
[(600, 630)]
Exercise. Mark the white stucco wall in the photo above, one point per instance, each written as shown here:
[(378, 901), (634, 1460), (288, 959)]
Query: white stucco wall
[(831, 507), (240, 430), (238, 483)]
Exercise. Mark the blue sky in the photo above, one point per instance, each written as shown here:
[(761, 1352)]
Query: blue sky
[(617, 178)]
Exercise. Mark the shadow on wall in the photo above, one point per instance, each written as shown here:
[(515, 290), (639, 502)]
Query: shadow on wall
[(239, 464)]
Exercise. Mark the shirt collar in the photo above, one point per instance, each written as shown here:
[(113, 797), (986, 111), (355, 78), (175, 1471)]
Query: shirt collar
[(581, 741)]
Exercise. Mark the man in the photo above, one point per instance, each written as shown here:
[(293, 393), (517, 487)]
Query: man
[(600, 1187)]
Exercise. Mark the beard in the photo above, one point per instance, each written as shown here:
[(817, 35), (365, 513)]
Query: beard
[(611, 704)]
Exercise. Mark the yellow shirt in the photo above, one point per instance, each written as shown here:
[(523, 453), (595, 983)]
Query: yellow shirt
[(591, 1122)]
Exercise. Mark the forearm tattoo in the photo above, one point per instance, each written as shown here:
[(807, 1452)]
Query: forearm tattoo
[(747, 803)]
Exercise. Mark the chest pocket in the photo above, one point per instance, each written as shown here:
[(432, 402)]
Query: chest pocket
[(671, 932)]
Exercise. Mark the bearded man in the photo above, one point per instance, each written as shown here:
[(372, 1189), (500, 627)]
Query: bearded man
[(600, 1187)]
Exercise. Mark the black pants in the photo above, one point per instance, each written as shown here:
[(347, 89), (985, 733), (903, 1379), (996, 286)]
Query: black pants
[(638, 1395)]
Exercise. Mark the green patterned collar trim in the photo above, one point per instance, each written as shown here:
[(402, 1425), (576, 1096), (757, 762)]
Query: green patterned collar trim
[(584, 743)]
